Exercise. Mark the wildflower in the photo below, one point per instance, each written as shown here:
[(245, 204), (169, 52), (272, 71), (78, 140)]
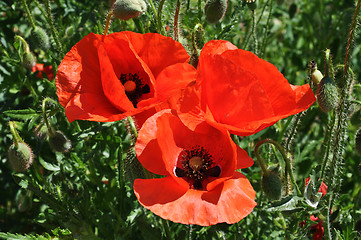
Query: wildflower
[(317, 230), (239, 91), (106, 78), (201, 185), (41, 68)]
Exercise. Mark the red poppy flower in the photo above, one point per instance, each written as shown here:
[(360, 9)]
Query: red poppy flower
[(201, 185), (237, 90), (106, 78), (40, 68), (317, 230)]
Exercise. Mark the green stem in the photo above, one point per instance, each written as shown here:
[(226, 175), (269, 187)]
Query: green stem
[(30, 16), (200, 10), (46, 120), (22, 40), (53, 30), (154, 12), (108, 22), (327, 143), (350, 40), (293, 130), (16, 137), (265, 38), (329, 71), (254, 34), (176, 20), (166, 229), (133, 127), (285, 158), (260, 159), (160, 23)]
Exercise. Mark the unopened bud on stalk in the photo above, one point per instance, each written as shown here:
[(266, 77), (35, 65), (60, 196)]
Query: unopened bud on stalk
[(327, 94), (59, 142), (29, 60), (20, 157), (127, 9), (272, 185), (40, 39), (215, 10)]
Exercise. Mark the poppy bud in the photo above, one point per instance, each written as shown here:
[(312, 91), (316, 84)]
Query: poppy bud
[(272, 185), (29, 60), (215, 10), (356, 118), (252, 4), (358, 141), (40, 39), (69, 31), (127, 9), (316, 77), (59, 142), (20, 157), (327, 94)]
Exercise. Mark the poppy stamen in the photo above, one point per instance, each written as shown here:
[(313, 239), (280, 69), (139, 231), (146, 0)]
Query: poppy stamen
[(134, 87), (198, 164)]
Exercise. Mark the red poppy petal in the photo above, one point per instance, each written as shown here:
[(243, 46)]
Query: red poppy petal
[(93, 107), (157, 51), (112, 86), (228, 202), (174, 78), (216, 47), (79, 74), (233, 95), (246, 98), (147, 147), (173, 137), (243, 160)]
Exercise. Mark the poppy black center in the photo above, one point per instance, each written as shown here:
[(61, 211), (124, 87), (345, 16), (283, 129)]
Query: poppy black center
[(134, 87), (197, 165)]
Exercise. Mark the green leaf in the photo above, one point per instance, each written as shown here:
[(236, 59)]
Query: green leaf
[(23, 114), (287, 204), (48, 166)]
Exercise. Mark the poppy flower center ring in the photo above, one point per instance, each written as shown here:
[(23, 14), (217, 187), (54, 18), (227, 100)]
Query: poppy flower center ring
[(196, 163), (130, 86)]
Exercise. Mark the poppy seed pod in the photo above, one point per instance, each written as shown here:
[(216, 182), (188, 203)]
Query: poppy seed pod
[(20, 157), (272, 185), (29, 60), (59, 142), (327, 94), (40, 39), (127, 9), (215, 10)]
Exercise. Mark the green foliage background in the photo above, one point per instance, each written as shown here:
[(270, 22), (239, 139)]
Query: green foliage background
[(86, 193)]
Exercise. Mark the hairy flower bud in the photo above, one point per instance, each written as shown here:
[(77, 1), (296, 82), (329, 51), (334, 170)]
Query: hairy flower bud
[(20, 157), (215, 10), (29, 60), (272, 185), (40, 39), (127, 9), (327, 94), (59, 142)]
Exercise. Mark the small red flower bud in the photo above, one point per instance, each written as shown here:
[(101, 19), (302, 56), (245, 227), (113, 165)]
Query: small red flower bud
[(327, 94), (215, 10), (252, 4), (20, 157), (59, 142), (272, 185), (127, 9)]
